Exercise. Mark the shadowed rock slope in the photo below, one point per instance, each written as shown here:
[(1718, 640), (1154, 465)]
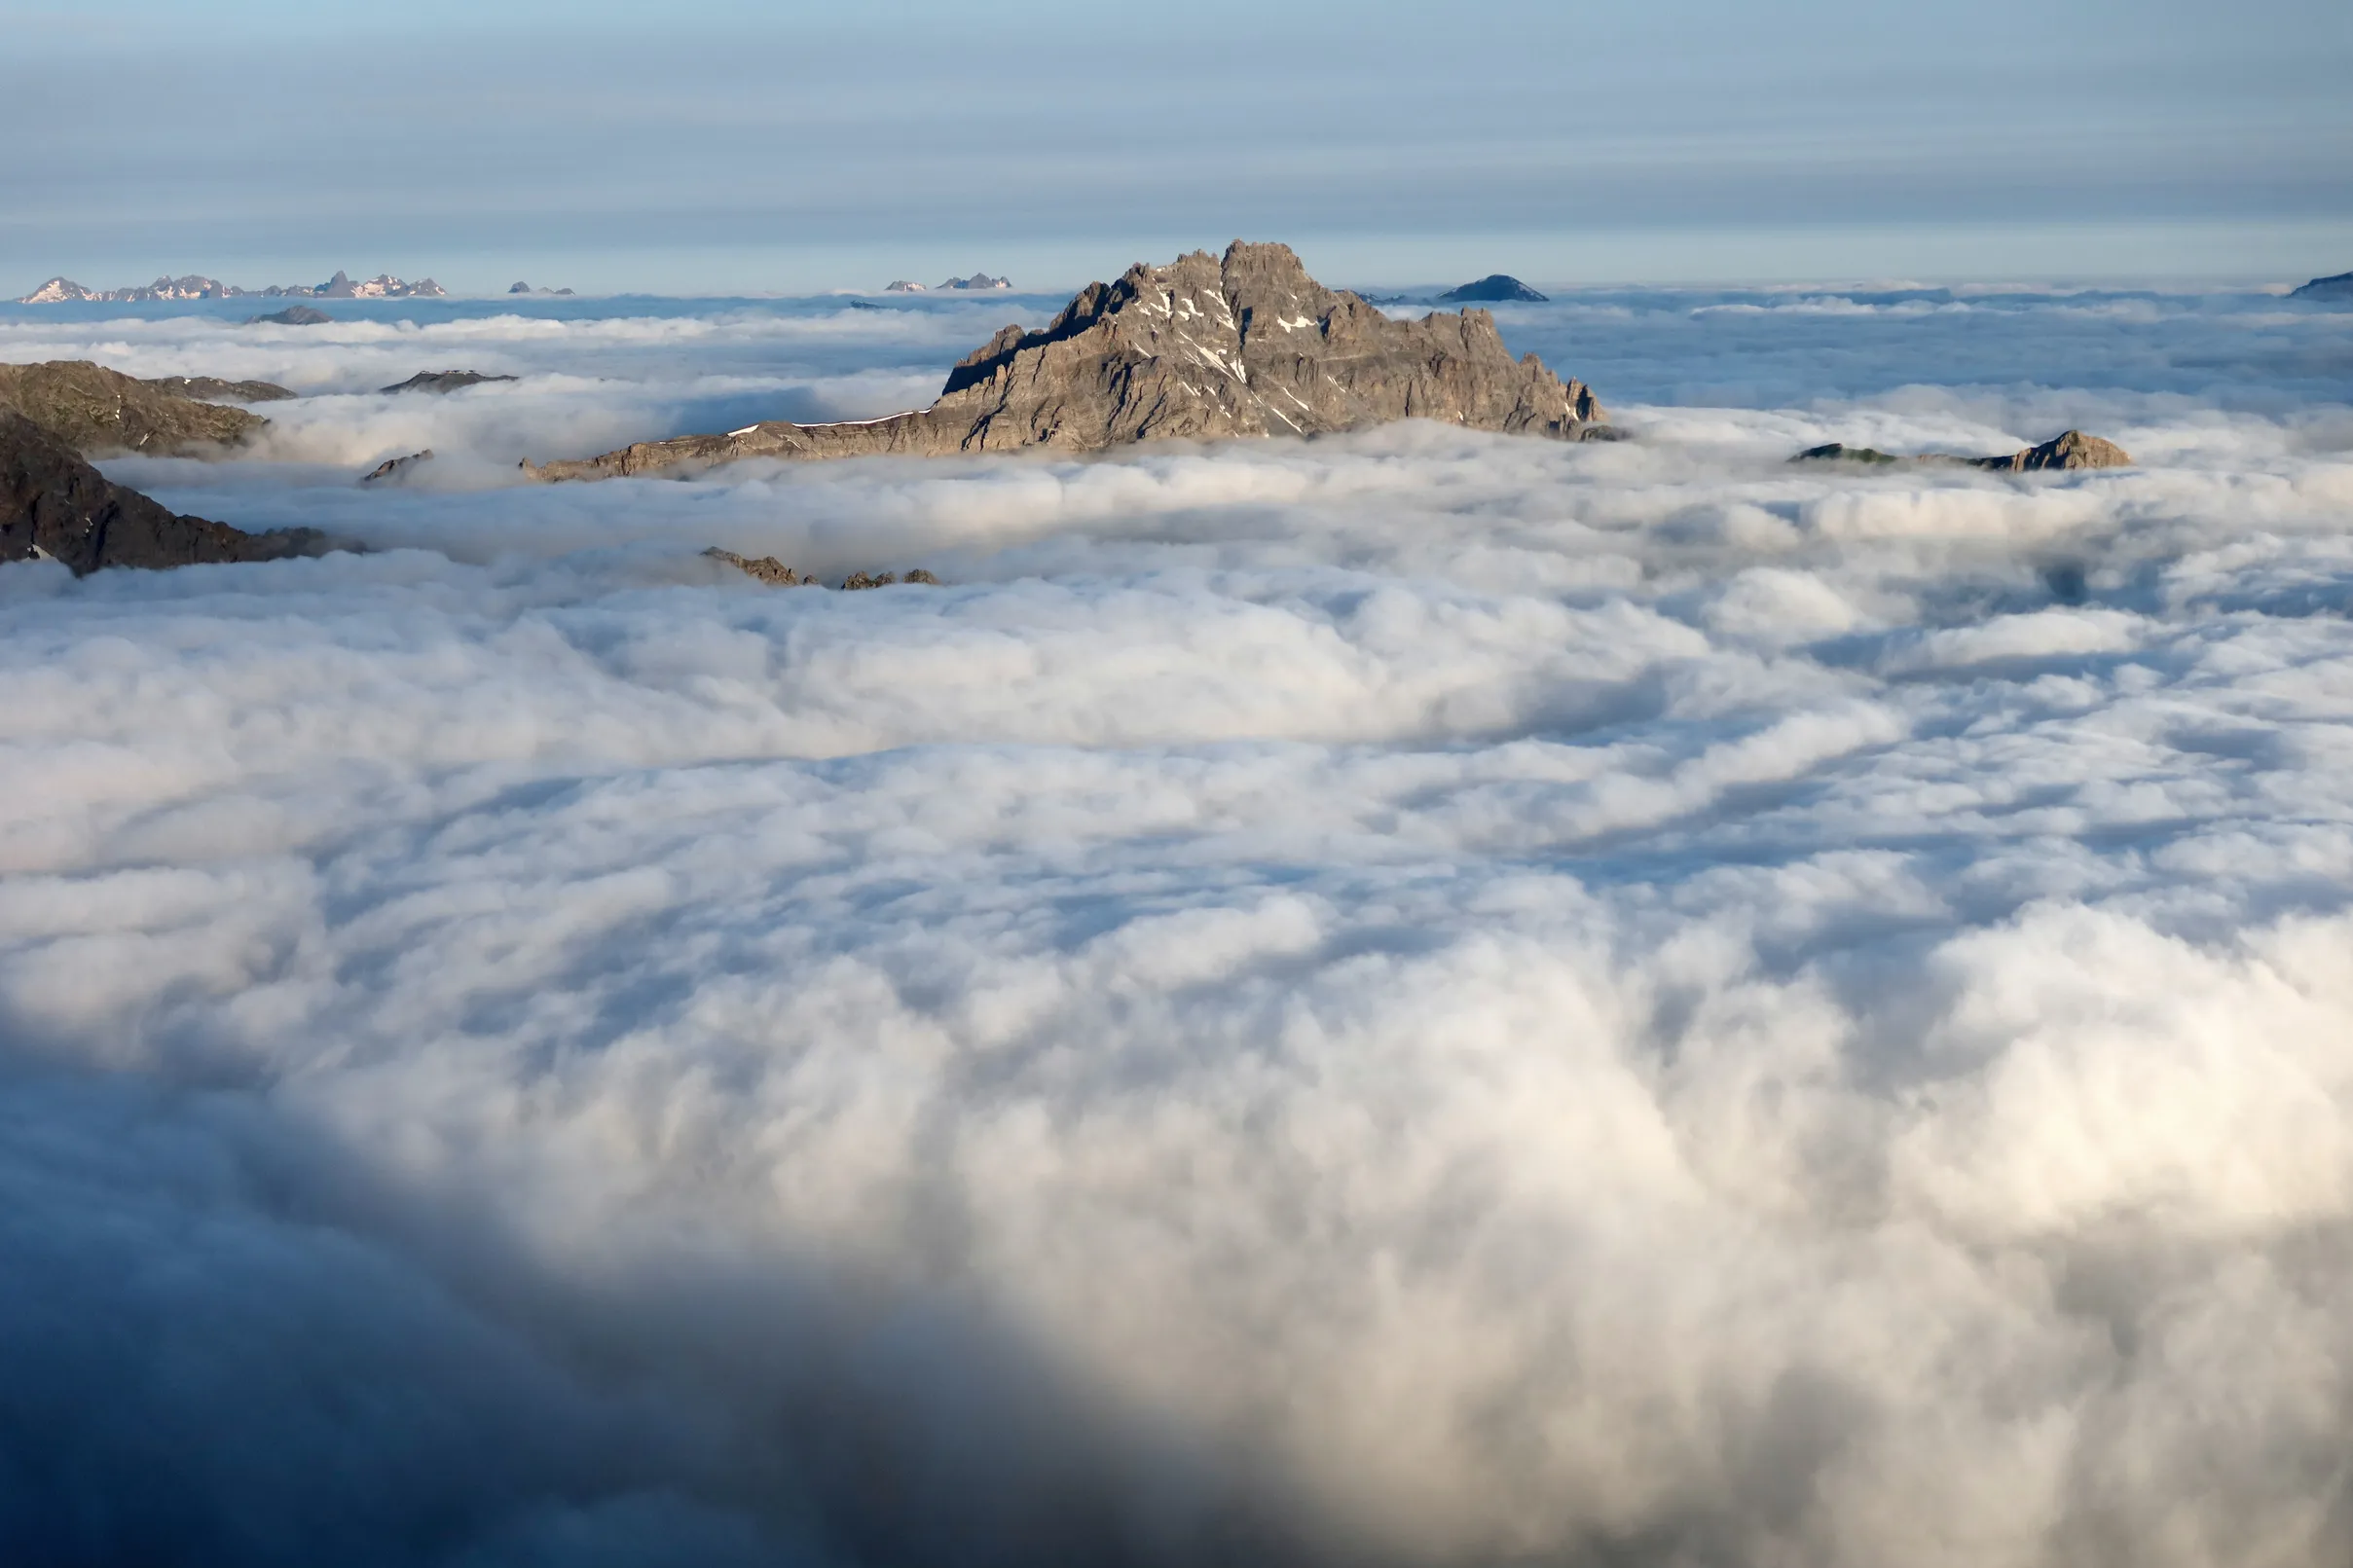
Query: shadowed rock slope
[(1202, 349), (442, 381), (54, 504), (92, 409)]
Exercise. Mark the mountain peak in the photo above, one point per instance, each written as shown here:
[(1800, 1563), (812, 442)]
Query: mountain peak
[(1203, 348)]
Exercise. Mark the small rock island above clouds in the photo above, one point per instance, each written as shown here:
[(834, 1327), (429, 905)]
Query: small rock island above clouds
[(1496, 288), (1202, 349)]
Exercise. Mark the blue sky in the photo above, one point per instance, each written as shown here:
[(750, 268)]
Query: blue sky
[(723, 145)]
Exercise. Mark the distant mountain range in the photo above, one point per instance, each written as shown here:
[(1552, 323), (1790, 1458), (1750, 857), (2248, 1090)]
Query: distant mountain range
[(978, 281), (2339, 287), (382, 286)]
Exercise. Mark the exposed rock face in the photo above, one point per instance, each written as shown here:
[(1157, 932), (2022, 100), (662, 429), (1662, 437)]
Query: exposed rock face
[(54, 504), (293, 315), (212, 389), (2339, 287), (767, 568), (776, 574), (978, 281), (2070, 449), (1200, 349), (92, 409), (1493, 289), (396, 469), (442, 380)]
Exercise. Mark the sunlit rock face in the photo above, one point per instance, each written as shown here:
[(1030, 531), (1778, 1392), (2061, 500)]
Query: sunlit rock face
[(1200, 349)]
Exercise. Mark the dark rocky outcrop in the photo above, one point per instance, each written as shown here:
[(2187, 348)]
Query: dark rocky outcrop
[(395, 468), (1840, 452), (293, 315), (2069, 448), (1496, 288), (1200, 349), (55, 504), (442, 380), (2338, 287), (91, 408), (212, 389)]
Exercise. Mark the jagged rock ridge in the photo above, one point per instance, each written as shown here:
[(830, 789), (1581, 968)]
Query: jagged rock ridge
[(2068, 450), (397, 469), (1202, 349), (53, 504), (92, 409)]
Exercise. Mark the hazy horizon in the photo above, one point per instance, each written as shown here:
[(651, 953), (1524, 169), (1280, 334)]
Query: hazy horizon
[(737, 148)]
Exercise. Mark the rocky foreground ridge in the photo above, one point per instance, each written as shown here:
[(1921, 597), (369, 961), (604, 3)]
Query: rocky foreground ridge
[(1203, 348), (91, 408), (55, 506)]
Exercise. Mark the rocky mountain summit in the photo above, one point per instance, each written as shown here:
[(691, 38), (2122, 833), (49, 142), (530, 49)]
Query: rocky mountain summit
[(55, 506), (1202, 349), (2069, 448), (382, 286), (1496, 288), (91, 408), (2338, 287)]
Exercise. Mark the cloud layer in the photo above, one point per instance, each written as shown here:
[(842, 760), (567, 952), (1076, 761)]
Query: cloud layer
[(1415, 998)]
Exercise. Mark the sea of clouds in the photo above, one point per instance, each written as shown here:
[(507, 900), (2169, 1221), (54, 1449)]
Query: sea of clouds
[(1415, 998)]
